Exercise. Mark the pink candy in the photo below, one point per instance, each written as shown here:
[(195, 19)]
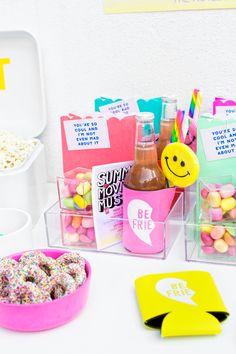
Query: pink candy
[(220, 202), (232, 251), (207, 239), (208, 249), (84, 234), (216, 214), (219, 239), (227, 190), (204, 193), (217, 232)]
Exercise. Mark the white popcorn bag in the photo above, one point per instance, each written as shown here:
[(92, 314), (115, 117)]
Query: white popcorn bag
[(23, 181)]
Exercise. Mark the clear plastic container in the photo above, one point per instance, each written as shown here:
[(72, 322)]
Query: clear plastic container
[(75, 190), (209, 242), (57, 222), (217, 199)]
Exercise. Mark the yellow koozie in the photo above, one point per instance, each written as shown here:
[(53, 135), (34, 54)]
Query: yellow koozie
[(181, 303)]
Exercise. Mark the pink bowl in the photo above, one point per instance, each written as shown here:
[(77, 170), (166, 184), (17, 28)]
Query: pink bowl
[(39, 317)]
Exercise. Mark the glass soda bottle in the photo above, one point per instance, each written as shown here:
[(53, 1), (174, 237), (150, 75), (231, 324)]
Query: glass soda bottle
[(169, 110), (145, 174)]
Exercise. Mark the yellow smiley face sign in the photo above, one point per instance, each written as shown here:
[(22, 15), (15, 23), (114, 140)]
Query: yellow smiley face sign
[(180, 164)]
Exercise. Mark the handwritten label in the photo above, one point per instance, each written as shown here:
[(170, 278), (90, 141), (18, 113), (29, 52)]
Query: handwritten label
[(83, 134), (120, 109), (176, 289), (219, 142), (3, 61)]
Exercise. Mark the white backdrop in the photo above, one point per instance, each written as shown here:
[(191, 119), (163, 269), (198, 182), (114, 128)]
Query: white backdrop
[(87, 54)]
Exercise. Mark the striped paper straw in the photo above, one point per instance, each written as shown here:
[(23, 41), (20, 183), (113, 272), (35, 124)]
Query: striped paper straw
[(195, 105)]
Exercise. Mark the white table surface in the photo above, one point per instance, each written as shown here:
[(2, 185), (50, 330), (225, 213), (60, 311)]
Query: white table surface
[(110, 323)]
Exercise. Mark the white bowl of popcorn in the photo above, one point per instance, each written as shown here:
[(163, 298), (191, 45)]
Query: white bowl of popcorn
[(14, 150)]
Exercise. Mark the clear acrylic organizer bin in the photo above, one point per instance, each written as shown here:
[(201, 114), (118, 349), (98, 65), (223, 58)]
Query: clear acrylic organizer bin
[(217, 198), (57, 220), (75, 190), (209, 242)]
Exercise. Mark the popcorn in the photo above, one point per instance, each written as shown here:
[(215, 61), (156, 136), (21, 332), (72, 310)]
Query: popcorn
[(14, 151)]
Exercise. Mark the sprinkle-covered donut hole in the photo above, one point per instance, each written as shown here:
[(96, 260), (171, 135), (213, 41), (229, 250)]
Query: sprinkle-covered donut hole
[(7, 279), (69, 258), (76, 272), (27, 293), (31, 273), (48, 265), (61, 284)]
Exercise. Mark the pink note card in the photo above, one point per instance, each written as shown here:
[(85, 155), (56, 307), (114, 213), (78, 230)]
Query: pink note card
[(224, 107), (91, 141)]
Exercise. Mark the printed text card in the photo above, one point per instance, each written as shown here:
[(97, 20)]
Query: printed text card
[(121, 6), (83, 134), (219, 142)]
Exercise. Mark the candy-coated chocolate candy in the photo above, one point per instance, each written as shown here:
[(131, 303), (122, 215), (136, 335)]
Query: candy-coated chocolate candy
[(67, 220), (206, 228), (231, 230), (208, 249), (88, 176), (72, 185), (66, 191), (88, 197), (229, 239), (70, 229), (216, 214), (224, 212), (232, 214), (218, 186), (227, 190), (82, 230), (91, 233), (68, 203), (76, 221), (232, 251), (83, 188), (80, 176), (73, 238), (204, 193), (207, 239), (85, 239), (87, 222), (228, 204), (221, 246), (80, 202), (214, 199), (217, 232)]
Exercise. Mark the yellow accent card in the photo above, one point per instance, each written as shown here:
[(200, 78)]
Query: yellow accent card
[(122, 6), (181, 304)]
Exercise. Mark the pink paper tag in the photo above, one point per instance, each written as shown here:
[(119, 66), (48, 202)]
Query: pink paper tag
[(121, 133)]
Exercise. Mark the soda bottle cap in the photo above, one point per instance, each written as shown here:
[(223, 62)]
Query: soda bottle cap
[(145, 117)]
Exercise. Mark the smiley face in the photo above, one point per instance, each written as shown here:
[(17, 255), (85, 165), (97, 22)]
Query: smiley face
[(180, 164)]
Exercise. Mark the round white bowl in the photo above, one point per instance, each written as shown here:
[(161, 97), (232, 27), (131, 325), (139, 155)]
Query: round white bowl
[(15, 231)]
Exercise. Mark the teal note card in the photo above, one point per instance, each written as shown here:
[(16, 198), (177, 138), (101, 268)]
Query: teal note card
[(153, 105)]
